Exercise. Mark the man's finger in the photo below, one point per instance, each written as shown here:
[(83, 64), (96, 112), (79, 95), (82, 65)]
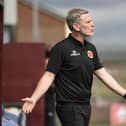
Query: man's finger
[(27, 99), (24, 99)]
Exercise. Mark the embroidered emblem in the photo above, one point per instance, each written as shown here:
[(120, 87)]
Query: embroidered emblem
[(90, 54), (74, 53)]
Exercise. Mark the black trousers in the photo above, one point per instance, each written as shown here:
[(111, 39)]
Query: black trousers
[(50, 108), (73, 114)]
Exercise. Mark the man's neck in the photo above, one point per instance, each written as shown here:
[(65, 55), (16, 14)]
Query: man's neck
[(78, 37)]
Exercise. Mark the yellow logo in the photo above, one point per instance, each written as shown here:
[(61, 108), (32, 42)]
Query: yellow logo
[(90, 54)]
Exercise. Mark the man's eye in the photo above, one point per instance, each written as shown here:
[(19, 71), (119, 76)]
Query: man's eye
[(88, 21)]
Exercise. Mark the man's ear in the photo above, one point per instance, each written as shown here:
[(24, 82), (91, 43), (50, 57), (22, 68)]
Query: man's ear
[(76, 27)]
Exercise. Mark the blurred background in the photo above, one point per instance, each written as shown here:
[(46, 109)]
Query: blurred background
[(33, 26)]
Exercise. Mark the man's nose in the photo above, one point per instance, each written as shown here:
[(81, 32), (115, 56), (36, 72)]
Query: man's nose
[(92, 24)]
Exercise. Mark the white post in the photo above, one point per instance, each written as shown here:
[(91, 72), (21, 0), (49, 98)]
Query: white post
[(10, 12), (35, 20)]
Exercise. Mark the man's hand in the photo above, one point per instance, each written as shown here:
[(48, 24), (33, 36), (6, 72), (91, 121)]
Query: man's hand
[(42, 86), (28, 105)]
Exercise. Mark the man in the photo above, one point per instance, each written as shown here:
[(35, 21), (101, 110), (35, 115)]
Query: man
[(71, 66)]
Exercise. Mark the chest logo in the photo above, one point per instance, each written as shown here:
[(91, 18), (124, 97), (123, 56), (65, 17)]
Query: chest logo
[(74, 53), (90, 54)]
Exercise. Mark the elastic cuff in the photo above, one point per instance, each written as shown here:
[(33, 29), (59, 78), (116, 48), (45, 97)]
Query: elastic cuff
[(124, 96)]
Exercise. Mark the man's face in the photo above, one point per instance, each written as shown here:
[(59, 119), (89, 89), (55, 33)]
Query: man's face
[(86, 25)]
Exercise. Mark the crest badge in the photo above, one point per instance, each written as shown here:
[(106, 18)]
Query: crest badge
[(90, 54)]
